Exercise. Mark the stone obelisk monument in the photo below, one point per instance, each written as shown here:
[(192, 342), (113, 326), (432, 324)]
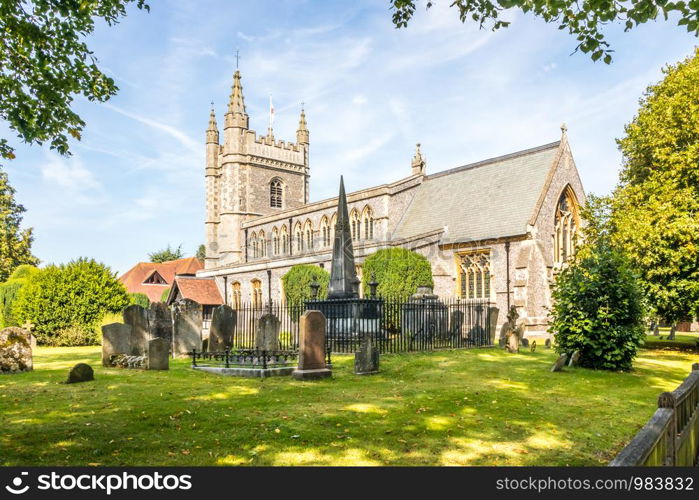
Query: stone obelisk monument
[(343, 275)]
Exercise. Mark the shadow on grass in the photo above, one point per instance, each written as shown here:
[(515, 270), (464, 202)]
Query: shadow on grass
[(476, 407)]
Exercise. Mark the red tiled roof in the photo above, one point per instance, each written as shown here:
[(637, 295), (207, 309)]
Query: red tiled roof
[(201, 290), (133, 278)]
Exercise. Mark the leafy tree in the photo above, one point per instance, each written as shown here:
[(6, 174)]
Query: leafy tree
[(166, 254), (70, 300), (201, 253), (140, 299), (9, 291), (655, 209), (597, 303), (15, 243), (584, 20), (398, 271), (45, 63), (297, 283)]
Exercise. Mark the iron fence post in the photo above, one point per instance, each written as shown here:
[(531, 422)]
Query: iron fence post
[(194, 357)]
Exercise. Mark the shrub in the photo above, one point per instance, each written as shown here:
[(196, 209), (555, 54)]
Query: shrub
[(75, 335), (166, 292), (297, 283), (9, 290), (140, 299), (398, 271), (77, 295), (597, 305)]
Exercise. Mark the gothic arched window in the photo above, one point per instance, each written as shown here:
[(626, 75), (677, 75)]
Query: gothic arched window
[(566, 224), (276, 192), (253, 246), (474, 275), (308, 233), (262, 244), (235, 295), (256, 294), (325, 231), (333, 223), (298, 237), (355, 224), (285, 240), (275, 241), (368, 223)]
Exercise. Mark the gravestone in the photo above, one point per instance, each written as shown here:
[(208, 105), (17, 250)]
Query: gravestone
[(267, 336), (547, 344), (574, 359), (366, 359), (137, 318), (160, 321), (186, 334), (532, 348), (560, 363), (116, 339), (456, 321), (158, 356), (525, 342), (493, 323), (80, 373), (223, 322), (311, 364), (15, 350)]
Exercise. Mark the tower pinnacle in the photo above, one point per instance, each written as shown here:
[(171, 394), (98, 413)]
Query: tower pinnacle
[(302, 132), (236, 115), (212, 130), (418, 164)]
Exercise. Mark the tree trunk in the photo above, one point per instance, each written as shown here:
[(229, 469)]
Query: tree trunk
[(672, 332)]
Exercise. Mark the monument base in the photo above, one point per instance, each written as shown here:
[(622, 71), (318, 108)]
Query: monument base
[(247, 372), (312, 374)]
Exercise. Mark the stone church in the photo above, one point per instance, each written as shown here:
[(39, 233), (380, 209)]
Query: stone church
[(498, 229)]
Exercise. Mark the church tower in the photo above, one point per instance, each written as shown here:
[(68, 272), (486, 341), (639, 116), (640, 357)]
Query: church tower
[(248, 176)]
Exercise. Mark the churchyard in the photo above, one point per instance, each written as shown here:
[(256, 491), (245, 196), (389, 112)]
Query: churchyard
[(458, 407)]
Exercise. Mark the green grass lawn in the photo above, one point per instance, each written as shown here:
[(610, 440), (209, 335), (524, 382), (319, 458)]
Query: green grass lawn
[(682, 340), (469, 407)]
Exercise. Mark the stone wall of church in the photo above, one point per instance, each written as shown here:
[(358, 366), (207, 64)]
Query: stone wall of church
[(257, 181)]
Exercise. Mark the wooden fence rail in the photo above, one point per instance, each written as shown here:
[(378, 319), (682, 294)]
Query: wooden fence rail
[(671, 436)]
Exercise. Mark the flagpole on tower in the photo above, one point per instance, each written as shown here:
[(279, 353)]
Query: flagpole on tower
[(271, 117)]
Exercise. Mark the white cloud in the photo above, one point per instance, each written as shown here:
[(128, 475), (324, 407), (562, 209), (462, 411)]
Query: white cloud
[(69, 174)]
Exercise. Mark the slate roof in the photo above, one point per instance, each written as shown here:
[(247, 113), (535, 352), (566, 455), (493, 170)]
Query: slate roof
[(133, 278), (490, 199), (201, 290)]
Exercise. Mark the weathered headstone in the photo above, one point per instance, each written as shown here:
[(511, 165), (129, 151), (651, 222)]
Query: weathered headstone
[(223, 322), (15, 350), (116, 339), (493, 313), (547, 344), (160, 321), (311, 364), (525, 342), (186, 334), (137, 318), (80, 373), (456, 322), (158, 357), (560, 363), (574, 359), (267, 337), (366, 359)]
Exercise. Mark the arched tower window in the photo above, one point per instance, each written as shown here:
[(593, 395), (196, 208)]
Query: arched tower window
[(276, 193), (474, 275), (355, 224), (368, 223), (308, 234), (566, 224), (325, 231), (235, 295), (256, 293)]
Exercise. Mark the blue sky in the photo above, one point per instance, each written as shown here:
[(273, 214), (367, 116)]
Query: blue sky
[(136, 180)]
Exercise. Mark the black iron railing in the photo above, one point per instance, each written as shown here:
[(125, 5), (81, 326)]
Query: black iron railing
[(244, 358), (393, 324)]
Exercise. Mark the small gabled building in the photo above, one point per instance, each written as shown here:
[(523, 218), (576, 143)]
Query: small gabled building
[(153, 279)]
